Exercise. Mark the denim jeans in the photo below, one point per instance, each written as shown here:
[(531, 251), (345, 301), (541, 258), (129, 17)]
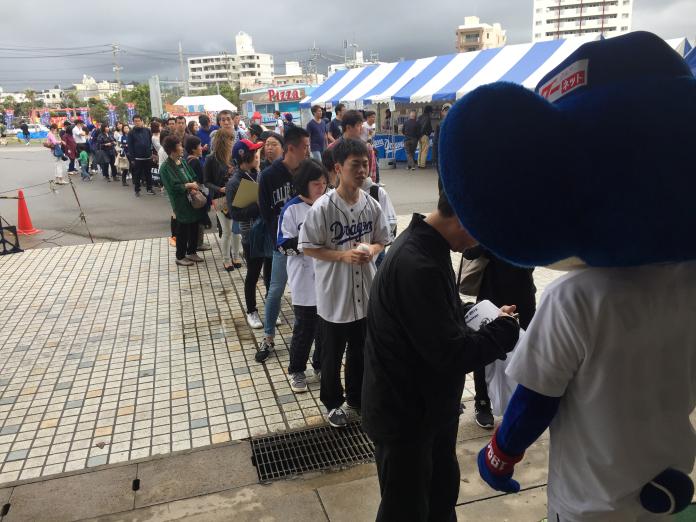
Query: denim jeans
[(279, 278), (316, 154)]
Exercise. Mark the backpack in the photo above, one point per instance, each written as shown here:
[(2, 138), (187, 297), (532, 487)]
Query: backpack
[(374, 192)]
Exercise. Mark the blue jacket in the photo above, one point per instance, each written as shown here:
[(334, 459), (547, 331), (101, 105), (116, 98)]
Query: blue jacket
[(139, 143), (204, 135)]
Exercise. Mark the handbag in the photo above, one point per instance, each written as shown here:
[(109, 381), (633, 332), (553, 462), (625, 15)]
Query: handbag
[(198, 198), (260, 242), (58, 151), (471, 275)]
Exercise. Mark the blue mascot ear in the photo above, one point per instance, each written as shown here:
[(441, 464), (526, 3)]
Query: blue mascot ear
[(601, 170), (503, 150)]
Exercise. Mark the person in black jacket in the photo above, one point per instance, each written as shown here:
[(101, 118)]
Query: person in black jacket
[(140, 155), (246, 155), (417, 353), (501, 283), (276, 187), (216, 173), (425, 129), (411, 135), (436, 143)]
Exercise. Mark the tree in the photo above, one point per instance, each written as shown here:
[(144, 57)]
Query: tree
[(71, 100), (30, 94), (228, 92), (97, 110), (140, 97)]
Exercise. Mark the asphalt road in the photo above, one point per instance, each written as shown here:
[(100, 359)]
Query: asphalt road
[(114, 213)]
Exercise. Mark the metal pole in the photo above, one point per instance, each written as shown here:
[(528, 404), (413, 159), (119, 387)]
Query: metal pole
[(117, 69), (181, 67)]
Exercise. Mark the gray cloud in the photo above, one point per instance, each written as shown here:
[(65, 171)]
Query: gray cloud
[(150, 31)]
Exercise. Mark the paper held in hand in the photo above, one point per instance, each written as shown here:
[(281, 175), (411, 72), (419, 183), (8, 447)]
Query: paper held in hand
[(500, 386), (247, 193)]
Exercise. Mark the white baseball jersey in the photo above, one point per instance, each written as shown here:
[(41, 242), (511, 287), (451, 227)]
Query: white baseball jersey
[(300, 267), (619, 347), (343, 289)]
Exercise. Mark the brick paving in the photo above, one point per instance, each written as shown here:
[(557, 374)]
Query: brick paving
[(110, 352)]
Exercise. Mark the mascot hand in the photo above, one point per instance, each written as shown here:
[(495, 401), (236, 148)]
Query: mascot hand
[(496, 467), (670, 492)]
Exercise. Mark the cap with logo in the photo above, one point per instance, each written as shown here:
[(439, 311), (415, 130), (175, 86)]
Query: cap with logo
[(241, 147)]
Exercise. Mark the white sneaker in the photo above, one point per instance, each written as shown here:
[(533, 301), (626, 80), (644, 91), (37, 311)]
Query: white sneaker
[(298, 382), (254, 320), (278, 321)]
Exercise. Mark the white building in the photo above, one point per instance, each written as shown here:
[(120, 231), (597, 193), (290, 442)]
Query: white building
[(352, 63), (555, 19), (18, 97), (91, 88), (246, 69), (294, 75), (476, 36), (51, 97)]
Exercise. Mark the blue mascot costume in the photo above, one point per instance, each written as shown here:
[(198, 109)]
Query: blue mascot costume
[(593, 173)]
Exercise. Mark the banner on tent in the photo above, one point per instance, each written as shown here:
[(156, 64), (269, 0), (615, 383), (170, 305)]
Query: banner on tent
[(383, 146)]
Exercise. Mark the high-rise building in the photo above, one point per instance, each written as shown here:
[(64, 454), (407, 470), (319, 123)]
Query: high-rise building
[(475, 36), (246, 69), (555, 19)]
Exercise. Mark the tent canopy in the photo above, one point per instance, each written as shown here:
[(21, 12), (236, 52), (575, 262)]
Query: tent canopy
[(212, 103), (449, 77)]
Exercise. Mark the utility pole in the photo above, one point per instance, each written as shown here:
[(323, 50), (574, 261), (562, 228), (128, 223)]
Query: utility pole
[(181, 68), (314, 55), (115, 49)]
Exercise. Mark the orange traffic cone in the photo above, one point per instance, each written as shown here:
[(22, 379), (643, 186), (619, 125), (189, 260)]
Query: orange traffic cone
[(24, 225)]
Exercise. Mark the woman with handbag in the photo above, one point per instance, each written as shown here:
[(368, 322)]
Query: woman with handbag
[(217, 172), (186, 198), (54, 143), (258, 250), (106, 152)]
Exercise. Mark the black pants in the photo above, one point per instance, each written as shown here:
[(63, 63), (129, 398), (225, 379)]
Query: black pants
[(142, 172), (304, 333), (254, 266), (410, 146), (334, 338), (419, 479), (480, 386), (105, 169), (186, 239)]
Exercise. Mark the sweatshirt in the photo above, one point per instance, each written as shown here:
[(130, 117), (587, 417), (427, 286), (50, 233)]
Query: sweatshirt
[(275, 189)]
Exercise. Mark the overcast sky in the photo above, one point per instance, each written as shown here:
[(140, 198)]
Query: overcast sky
[(149, 32)]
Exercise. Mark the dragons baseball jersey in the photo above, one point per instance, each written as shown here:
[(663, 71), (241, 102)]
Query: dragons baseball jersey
[(300, 267), (343, 289), (617, 345)]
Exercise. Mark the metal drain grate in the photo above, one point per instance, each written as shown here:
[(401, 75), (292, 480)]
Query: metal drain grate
[(287, 454)]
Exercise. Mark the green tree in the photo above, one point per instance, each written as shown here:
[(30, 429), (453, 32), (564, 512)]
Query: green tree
[(97, 110), (30, 94), (71, 100), (140, 96), (228, 92)]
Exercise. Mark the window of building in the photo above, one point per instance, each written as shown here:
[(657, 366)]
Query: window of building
[(538, 22), (624, 28), (625, 15)]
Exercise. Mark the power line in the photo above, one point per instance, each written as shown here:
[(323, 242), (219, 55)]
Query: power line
[(52, 56)]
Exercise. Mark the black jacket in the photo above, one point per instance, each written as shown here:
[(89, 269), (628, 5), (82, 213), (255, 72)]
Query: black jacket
[(215, 175), (506, 284), (140, 143), (418, 349), (411, 129), (425, 125), (275, 189), (247, 215)]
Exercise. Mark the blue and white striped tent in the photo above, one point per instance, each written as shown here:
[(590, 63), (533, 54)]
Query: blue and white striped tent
[(448, 77)]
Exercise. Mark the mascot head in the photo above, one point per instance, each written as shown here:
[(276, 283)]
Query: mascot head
[(597, 164)]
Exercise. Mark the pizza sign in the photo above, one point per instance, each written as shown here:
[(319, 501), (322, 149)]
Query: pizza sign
[(285, 95)]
